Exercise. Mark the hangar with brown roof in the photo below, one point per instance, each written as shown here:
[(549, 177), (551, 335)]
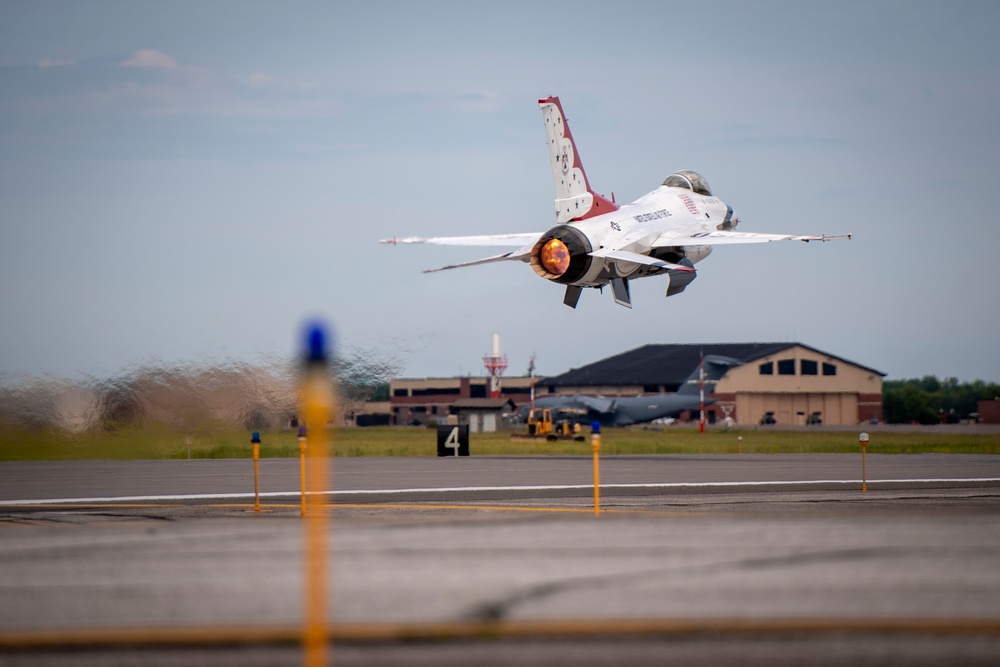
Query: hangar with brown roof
[(792, 383), (796, 383)]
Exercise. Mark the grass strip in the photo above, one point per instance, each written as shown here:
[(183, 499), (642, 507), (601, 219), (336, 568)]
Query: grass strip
[(160, 442)]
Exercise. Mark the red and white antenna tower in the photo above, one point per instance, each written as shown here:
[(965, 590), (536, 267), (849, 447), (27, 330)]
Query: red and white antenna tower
[(495, 366)]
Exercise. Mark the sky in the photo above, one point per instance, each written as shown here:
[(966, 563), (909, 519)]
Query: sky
[(190, 182)]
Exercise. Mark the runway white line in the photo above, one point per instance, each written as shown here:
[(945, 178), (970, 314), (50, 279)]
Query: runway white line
[(466, 489)]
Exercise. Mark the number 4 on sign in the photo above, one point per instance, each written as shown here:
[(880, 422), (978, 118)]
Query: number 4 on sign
[(452, 440)]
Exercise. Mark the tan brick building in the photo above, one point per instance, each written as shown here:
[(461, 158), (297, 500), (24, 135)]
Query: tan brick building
[(792, 381), (798, 383), (795, 383)]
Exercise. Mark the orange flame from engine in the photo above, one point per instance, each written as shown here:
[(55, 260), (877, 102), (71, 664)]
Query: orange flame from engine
[(554, 257)]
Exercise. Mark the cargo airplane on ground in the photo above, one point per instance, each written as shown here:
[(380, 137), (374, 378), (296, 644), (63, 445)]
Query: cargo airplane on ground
[(628, 410), (597, 242)]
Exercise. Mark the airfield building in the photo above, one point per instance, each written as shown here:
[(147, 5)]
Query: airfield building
[(780, 383), (443, 400), (789, 383)]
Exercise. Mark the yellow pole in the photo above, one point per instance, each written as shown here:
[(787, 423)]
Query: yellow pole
[(302, 466), (316, 395), (863, 439), (595, 445), (255, 441)]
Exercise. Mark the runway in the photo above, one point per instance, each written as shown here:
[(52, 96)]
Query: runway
[(770, 559), (472, 478)]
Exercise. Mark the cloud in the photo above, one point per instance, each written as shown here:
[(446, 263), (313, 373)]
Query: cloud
[(257, 80), (151, 59), (149, 82), (54, 62)]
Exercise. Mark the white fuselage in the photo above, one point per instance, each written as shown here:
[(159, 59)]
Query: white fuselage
[(637, 226)]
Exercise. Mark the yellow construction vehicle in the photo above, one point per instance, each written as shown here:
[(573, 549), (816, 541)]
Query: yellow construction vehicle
[(542, 425)]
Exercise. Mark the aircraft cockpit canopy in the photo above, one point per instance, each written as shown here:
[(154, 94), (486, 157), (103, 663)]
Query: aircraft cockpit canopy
[(689, 180)]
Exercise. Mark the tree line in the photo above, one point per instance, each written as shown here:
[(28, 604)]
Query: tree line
[(928, 400)]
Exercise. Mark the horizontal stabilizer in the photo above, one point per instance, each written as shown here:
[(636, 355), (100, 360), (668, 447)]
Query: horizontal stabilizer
[(628, 256), (716, 366), (523, 242), (521, 255)]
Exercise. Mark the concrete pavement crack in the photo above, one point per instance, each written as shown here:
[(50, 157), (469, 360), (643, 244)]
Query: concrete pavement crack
[(502, 608)]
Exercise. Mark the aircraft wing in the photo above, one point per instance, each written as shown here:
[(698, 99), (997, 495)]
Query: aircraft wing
[(720, 237), (508, 240), (578, 402), (596, 404), (524, 243)]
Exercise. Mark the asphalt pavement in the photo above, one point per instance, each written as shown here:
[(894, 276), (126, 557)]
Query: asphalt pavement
[(700, 560)]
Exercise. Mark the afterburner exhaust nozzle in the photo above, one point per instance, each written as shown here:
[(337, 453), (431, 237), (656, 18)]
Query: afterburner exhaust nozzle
[(554, 257), (562, 255)]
